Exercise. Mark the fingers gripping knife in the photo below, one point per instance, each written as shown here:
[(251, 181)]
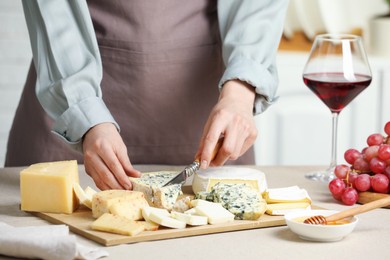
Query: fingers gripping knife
[(193, 167)]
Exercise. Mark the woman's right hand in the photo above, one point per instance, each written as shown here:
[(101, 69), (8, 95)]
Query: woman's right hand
[(106, 159)]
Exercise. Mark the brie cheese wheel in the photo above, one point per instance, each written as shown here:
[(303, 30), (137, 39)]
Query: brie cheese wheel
[(204, 180)]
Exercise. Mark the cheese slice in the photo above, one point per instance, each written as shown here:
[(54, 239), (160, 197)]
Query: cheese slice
[(117, 224), (103, 200), (149, 226), (161, 217), (198, 202), (90, 192), (286, 195), (280, 209), (204, 180), (216, 214), (146, 211), (150, 183), (192, 220), (48, 187), (130, 209), (84, 198)]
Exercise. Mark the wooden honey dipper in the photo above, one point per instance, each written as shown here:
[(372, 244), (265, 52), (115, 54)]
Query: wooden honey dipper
[(321, 220)]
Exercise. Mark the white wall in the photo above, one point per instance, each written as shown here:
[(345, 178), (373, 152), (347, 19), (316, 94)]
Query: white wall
[(15, 57)]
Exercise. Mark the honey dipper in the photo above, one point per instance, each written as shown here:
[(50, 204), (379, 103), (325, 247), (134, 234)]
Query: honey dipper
[(321, 220)]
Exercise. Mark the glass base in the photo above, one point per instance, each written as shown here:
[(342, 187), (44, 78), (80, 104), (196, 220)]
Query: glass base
[(322, 176)]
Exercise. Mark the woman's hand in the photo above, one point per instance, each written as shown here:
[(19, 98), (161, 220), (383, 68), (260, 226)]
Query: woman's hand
[(231, 117), (106, 159)]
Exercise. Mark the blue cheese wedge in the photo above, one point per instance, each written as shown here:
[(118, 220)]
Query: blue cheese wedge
[(240, 199), (151, 183)]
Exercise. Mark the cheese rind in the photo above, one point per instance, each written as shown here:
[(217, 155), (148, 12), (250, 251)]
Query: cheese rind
[(117, 224), (48, 187), (150, 183), (103, 200)]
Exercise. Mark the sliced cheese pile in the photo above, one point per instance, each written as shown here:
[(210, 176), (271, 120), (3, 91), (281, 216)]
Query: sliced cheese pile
[(281, 201), (204, 180), (150, 183), (84, 195), (48, 187)]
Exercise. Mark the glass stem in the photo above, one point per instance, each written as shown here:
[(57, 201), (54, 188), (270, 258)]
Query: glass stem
[(333, 161)]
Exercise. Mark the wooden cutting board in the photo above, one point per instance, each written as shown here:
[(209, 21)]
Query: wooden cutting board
[(79, 223), (365, 197)]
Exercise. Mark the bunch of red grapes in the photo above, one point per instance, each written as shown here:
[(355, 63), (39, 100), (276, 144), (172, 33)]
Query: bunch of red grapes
[(368, 170)]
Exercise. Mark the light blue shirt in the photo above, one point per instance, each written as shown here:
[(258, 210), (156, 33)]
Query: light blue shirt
[(69, 67)]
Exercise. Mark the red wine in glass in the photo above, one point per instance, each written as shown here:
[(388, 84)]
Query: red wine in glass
[(334, 89)]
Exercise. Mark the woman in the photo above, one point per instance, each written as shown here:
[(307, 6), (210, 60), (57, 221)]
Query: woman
[(136, 82)]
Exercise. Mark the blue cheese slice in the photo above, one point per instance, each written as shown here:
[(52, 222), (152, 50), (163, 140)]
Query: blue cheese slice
[(240, 199), (150, 183)]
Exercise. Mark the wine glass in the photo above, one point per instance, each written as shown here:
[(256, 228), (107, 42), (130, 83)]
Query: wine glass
[(337, 71)]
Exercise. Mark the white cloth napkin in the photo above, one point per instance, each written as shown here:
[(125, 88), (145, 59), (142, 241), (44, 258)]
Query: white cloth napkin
[(44, 242)]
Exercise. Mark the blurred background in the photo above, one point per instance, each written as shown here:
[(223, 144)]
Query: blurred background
[(297, 129)]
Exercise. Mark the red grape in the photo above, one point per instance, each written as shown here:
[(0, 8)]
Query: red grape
[(377, 165), (384, 152), (361, 165), (387, 172), (337, 187), (380, 183), (352, 177), (371, 152), (363, 182), (351, 155), (341, 171), (387, 128), (349, 196), (375, 139)]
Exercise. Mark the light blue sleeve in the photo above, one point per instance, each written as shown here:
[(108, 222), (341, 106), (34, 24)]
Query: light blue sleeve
[(250, 32), (68, 65)]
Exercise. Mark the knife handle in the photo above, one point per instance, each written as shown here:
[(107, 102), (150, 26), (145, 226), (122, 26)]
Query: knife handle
[(215, 150)]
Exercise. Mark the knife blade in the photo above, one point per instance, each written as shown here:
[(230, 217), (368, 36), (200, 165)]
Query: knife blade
[(193, 167)]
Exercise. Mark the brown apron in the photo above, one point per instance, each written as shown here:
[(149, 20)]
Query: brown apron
[(161, 66)]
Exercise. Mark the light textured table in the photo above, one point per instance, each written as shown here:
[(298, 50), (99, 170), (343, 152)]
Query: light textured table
[(370, 239)]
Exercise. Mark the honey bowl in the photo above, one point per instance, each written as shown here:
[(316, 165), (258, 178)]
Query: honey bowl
[(320, 233)]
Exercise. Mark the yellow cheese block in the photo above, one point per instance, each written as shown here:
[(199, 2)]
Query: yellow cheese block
[(279, 209), (48, 187), (103, 200), (117, 224)]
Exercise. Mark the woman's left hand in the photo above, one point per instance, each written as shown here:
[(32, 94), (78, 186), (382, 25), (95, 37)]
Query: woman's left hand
[(231, 117)]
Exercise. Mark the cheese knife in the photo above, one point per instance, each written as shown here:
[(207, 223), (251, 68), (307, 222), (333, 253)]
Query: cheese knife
[(193, 167)]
